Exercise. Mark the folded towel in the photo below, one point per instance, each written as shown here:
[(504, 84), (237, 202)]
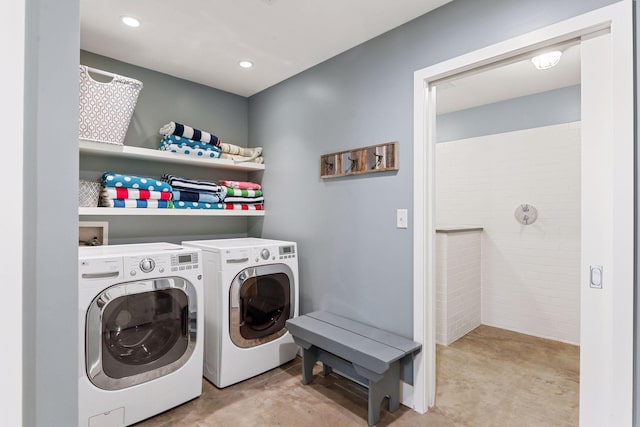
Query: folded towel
[(243, 207), (240, 159), (134, 203), (241, 185), (236, 192), (132, 193), (194, 185), (173, 128), (247, 200), (181, 149), (240, 151), (193, 196), (186, 142), (180, 204), (226, 206), (110, 179)]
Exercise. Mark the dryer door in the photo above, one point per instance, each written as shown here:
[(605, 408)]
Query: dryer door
[(139, 331), (260, 302)]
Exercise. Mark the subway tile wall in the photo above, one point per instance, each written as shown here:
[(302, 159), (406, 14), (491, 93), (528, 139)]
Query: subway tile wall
[(530, 273), (458, 283)]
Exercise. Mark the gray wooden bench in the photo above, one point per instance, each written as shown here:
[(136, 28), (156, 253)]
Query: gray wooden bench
[(364, 353)]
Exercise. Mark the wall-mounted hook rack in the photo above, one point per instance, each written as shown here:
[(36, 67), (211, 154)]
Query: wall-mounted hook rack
[(374, 158)]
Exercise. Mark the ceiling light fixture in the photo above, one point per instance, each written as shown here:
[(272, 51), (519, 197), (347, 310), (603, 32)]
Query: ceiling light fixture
[(130, 21), (546, 60), (245, 63)]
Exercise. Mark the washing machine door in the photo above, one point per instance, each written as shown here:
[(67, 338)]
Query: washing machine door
[(140, 331), (260, 302)]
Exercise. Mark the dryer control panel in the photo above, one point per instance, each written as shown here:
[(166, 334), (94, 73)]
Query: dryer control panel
[(288, 251), (235, 258)]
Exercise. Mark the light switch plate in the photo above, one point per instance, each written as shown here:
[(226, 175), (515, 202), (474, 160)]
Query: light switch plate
[(402, 218)]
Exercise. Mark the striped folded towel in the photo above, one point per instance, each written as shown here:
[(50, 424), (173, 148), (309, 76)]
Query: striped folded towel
[(240, 159), (236, 192), (173, 128), (193, 185), (132, 193), (226, 206), (240, 151), (136, 203), (194, 196), (247, 200)]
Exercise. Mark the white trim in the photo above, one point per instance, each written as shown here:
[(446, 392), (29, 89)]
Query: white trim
[(618, 17), (406, 394), (12, 43)]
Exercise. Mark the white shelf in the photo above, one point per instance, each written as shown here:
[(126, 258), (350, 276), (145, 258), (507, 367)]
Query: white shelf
[(165, 212), (123, 151)]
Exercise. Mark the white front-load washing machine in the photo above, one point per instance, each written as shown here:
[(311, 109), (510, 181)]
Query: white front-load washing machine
[(251, 289), (141, 331)]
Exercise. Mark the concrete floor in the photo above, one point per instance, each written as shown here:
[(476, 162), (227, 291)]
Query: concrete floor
[(488, 378)]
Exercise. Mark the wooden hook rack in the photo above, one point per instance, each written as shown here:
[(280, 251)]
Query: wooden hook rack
[(374, 158)]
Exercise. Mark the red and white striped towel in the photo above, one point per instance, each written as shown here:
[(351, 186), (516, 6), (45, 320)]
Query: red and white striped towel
[(133, 193)]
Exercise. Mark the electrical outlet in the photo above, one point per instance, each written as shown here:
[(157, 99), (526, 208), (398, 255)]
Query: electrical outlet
[(401, 218)]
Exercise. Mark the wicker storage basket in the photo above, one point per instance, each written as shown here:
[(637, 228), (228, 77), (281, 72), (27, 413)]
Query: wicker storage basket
[(106, 108), (88, 194)]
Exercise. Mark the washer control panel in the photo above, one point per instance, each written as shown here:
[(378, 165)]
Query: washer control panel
[(137, 267), (184, 261)]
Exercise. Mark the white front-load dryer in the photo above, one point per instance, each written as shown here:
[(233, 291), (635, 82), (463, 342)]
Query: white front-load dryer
[(141, 331), (251, 289)]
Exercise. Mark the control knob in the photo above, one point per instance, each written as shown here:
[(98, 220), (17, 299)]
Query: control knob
[(147, 265), (265, 254)]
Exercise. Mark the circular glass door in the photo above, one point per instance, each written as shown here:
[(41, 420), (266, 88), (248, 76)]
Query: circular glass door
[(139, 331), (260, 304)]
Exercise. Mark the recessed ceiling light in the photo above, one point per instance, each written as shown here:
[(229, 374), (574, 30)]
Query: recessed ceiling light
[(245, 63), (546, 60), (130, 21)]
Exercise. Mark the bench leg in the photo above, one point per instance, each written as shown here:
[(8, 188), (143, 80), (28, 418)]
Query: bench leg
[(388, 386), (393, 386), (326, 369), (309, 358)]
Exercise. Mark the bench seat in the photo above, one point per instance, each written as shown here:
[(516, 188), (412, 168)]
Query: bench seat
[(364, 353)]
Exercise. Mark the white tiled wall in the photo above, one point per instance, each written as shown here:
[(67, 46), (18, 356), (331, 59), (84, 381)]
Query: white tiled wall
[(530, 274), (457, 284)]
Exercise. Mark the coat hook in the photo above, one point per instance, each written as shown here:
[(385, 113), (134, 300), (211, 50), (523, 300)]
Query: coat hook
[(379, 158), (354, 163)]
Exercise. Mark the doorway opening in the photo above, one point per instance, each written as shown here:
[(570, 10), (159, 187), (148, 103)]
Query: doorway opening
[(507, 246)]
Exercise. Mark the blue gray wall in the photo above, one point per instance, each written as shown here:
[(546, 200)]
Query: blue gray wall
[(526, 112), (50, 293), (165, 98), (354, 261)]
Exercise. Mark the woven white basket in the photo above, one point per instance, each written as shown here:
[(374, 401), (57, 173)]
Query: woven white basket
[(106, 108), (88, 194)]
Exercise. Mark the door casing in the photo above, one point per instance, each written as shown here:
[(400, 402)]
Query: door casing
[(613, 338)]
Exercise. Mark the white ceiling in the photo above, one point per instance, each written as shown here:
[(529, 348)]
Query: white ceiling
[(508, 81), (203, 40)]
